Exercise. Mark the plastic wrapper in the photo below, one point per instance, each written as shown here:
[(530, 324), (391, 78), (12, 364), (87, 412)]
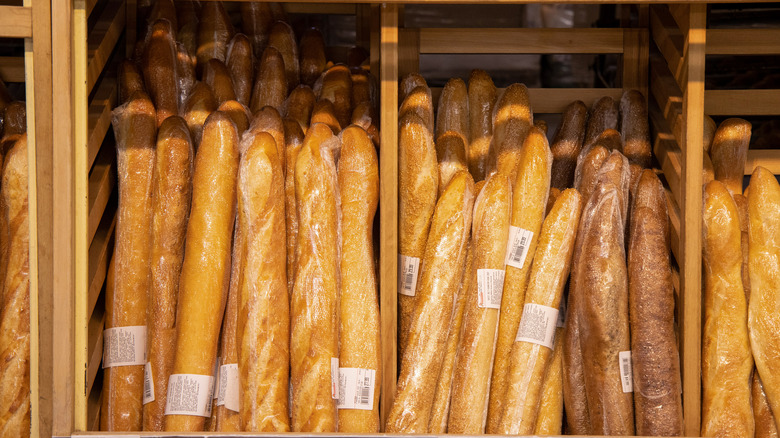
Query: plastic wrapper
[(314, 320), (409, 83), (365, 116), (453, 110), (205, 272), (268, 120), (418, 181), (214, 32), (15, 316), (762, 413), (282, 38), (451, 154), (529, 360), (474, 363), (365, 88), (729, 153), (293, 140), (185, 73), (764, 250), (324, 112), (263, 337), (512, 119), (549, 421), (299, 105), (529, 201), (14, 120), (270, 88), (198, 107), (591, 158), (160, 69), (313, 61), (130, 80), (635, 129), (419, 102), (358, 178), (727, 362), (135, 130), (241, 64), (445, 255), (238, 113), (567, 144), (217, 76), (656, 360), (171, 196), (482, 98), (337, 88), (742, 207), (603, 115), (224, 419)]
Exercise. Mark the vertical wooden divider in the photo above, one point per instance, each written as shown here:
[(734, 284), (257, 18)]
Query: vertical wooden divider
[(388, 201)]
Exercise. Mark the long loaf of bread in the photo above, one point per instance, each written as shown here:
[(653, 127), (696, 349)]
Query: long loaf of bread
[(482, 98), (729, 153), (293, 140), (299, 105), (314, 310), (762, 413), (282, 38), (567, 144), (240, 62), (159, 67), (205, 272), (197, 108), (549, 420), (256, 21), (217, 76), (135, 128), (445, 254), (419, 102), (604, 114), (214, 33), (474, 363), (337, 88), (634, 128), (453, 111), (451, 154), (270, 86), (313, 60), (224, 419), (512, 119)]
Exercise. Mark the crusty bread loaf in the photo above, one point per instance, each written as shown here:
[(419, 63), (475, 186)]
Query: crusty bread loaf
[(293, 140), (451, 155), (14, 119), (634, 128), (217, 76), (171, 196), (268, 120), (164, 9), (256, 21), (364, 88), (314, 311), (205, 273), (512, 119), (656, 361), (263, 336), (270, 87), (135, 129), (185, 72), (109, 306), (337, 88), (529, 201), (187, 13), (418, 180), (709, 132), (529, 362), (198, 107), (15, 316), (603, 115), (240, 62), (238, 113), (418, 101), (549, 420), (551, 198), (708, 171), (313, 59), (587, 169), (574, 396), (159, 68), (567, 144), (223, 419), (762, 413), (471, 382), (409, 83), (729, 152), (358, 177), (453, 110), (299, 105), (542, 125), (365, 116), (324, 112), (282, 38), (764, 249), (445, 254), (214, 33), (482, 98), (130, 81), (742, 208)]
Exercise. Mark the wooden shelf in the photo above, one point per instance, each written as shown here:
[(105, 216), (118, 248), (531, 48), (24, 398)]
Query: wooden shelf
[(743, 41), (742, 102), (99, 254), (769, 158), (15, 22), (102, 180), (103, 39), (99, 116)]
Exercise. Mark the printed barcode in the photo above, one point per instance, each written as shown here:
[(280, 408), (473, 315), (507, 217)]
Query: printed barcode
[(626, 369), (364, 392), (517, 254), (408, 280), (147, 388)]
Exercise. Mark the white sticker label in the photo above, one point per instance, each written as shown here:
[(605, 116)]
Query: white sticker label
[(626, 373), (408, 269), (228, 386), (124, 346), (517, 246), (189, 394), (490, 287), (561, 315), (334, 377), (356, 388), (148, 384), (537, 325)]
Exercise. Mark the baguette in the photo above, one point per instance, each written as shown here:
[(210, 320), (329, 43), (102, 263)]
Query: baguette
[(217, 76), (299, 105), (549, 421), (159, 67), (482, 99), (764, 248), (282, 38), (603, 116), (587, 169), (171, 196), (313, 61), (214, 33), (656, 361), (293, 139), (418, 181), (726, 359), (224, 419), (364, 88), (567, 144), (762, 413), (409, 83), (263, 337), (337, 88), (268, 120), (240, 62), (453, 110), (634, 129), (445, 254), (15, 119), (198, 107), (238, 113), (270, 87), (541, 125), (529, 201), (708, 171), (471, 382), (130, 81), (185, 71), (365, 116), (314, 320), (324, 112), (15, 315), (205, 273), (729, 153), (742, 208), (451, 155), (187, 13), (420, 103), (358, 178), (256, 21), (109, 306), (512, 119), (530, 361), (551, 198), (709, 132)]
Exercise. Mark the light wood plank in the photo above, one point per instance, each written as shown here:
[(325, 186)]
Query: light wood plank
[(670, 158), (636, 54), (12, 68), (103, 38), (15, 22), (408, 51), (743, 42), (388, 198), (742, 102), (670, 42), (769, 158), (102, 181), (674, 228), (95, 354), (100, 252), (526, 40), (666, 93), (99, 116)]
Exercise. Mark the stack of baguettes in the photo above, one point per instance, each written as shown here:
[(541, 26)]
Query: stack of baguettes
[(243, 272), (492, 223), (14, 273)]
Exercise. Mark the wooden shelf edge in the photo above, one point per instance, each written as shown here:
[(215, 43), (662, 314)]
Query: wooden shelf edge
[(99, 256), (15, 22), (742, 102), (102, 40), (102, 180), (743, 42), (95, 353), (769, 158), (99, 116)]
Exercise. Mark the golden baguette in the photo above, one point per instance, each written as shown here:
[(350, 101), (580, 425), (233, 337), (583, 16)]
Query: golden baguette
[(270, 88), (313, 61), (603, 115), (217, 76), (451, 154), (14, 119), (512, 119), (634, 129), (471, 382), (482, 98), (268, 120), (314, 310), (419, 102), (159, 67), (214, 33), (130, 81), (238, 113), (549, 421), (293, 140), (185, 72), (567, 144), (445, 254), (197, 108), (709, 132), (365, 116), (240, 62), (336, 86), (409, 83), (256, 21), (282, 38), (299, 105), (551, 198), (164, 9), (708, 171), (324, 112), (453, 110), (529, 361), (224, 419), (205, 273), (358, 177), (762, 413), (742, 207), (729, 153)]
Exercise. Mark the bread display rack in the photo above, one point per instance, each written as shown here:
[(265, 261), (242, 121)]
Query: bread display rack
[(662, 54)]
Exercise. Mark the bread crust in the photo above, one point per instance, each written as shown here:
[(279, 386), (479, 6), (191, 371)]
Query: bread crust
[(482, 95)]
